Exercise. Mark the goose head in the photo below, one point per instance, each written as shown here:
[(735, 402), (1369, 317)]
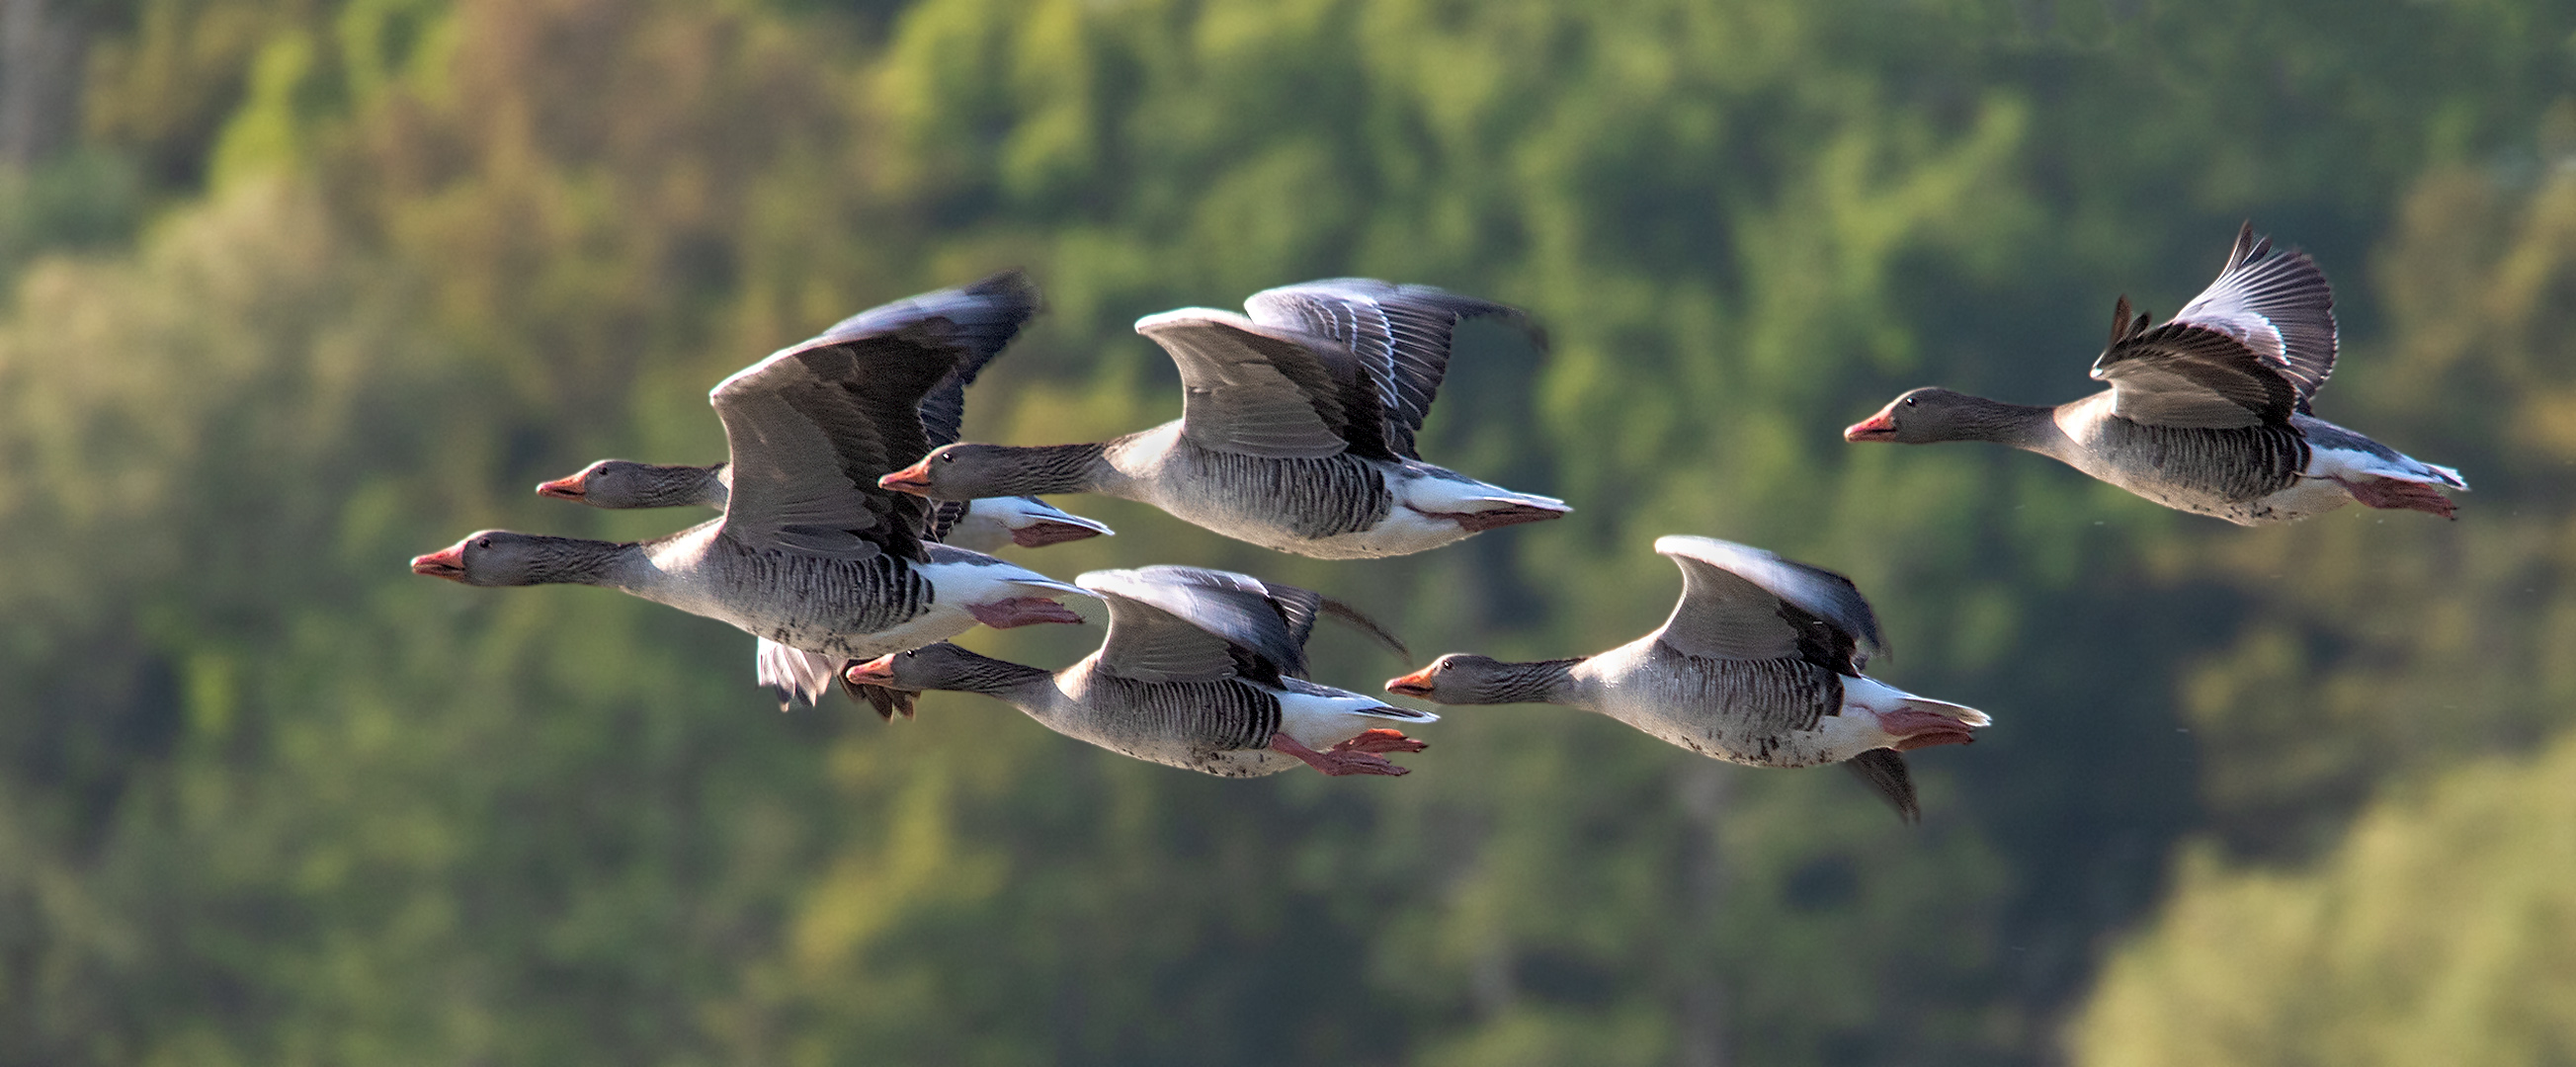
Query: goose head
[(1925, 416), (940, 666), (967, 471), (1461, 678), (500, 557), (624, 483)]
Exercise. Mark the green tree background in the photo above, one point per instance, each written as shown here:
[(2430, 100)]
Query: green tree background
[(299, 289)]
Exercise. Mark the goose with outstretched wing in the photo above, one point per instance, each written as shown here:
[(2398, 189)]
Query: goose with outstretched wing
[(1201, 669), (2207, 413), (810, 554), (1760, 664), (1296, 433)]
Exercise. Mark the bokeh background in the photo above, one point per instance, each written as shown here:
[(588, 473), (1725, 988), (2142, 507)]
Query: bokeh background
[(297, 289)]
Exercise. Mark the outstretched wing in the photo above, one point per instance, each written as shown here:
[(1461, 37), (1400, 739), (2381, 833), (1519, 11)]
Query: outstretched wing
[(2250, 350), (1399, 333), (2276, 303), (1740, 602), (988, 315), (1164, 631), (1196, 624), (2193, 377), (1268, 391), (812, 427)]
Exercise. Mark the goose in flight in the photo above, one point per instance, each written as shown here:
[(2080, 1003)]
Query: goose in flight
[(1296, 432), (1760, 664), (810, 555), (2207, 413), (992, 315), (1201, 669)]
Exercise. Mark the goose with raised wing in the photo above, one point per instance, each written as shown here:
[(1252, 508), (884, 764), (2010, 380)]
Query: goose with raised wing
[(1201, 669), (990, 316), (1759, 664), (2206, 413), (1296, 432), (810, 555)]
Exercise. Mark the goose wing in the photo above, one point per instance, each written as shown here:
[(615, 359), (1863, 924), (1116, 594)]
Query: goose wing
[(1192, 624), (1399, 333), (1268, 391), (988, 314), (812, 427), (2251, 350), (1742, 603), (2278, 304)]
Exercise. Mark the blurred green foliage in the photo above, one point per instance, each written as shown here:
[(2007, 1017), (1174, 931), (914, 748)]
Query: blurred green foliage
[(330, 283), (2442, 930)]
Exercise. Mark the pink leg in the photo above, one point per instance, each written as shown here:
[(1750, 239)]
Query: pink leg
[(2398, 495), (1337, 762), (1042, 534), (1021, 611), (1923, 729), (1929, 738), (1507, 515), (1381, 740)]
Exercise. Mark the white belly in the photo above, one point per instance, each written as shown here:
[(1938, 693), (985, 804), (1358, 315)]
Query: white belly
[(1679, 712)]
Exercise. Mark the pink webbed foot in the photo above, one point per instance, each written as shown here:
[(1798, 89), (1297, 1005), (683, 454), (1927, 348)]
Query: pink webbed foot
[(1340, 760), (1381, 740), (2395, 495), (1042, 534), (1923, 729), (1021, 611)]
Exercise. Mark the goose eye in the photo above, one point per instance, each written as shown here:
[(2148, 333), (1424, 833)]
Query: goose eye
[(483, 542), (1909, 401), (949, 458)]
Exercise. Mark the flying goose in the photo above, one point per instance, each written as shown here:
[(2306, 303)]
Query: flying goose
[(1296, 431), (1201, 669), (1759, 664), (810, 555), (2207, 413), (978, 526)]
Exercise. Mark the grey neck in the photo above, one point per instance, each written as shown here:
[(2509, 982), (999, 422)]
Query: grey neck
[(581, 561), (683, 485), (1054, 469), (2029, 426), (999, 678), (714, 484), (1547, 681)]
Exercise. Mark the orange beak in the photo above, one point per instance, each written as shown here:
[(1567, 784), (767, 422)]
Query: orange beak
[(448, 564), (878, 671), (1879, 427), (1416, 684), (914, 479), (568, 487)]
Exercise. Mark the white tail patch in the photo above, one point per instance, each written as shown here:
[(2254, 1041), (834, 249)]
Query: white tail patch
[(2354, 464)]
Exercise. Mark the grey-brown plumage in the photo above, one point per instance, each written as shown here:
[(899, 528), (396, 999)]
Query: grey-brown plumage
[(1297, 429), (1201, 669), (2209, 412), (811, 553), (1760, 663)]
